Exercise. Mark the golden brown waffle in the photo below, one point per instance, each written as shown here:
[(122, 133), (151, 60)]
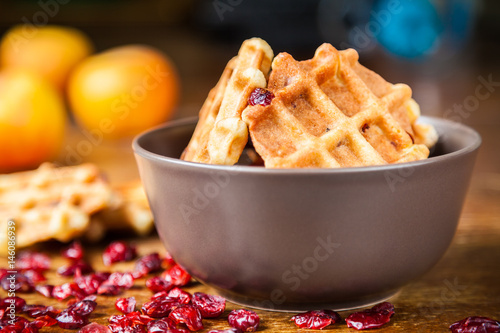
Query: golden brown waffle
[(221, 135), (304, 127)]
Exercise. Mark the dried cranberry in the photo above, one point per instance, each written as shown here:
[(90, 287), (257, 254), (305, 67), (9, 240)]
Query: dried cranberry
[(44, 321), (117, 252), (66, 290), (126, 305), (187, 314), (183, 296), (122, 280), (229, 330), (109, 289), (375, 317), (177, 276), (73, 252), (90, 283), (71, 320), (16, 282), (71, 269), (316, 319), (18, 302), (117, 328), (168, 260), (34, 276), (94, 328), (476, 324), (33, 260), (157, 284), (245, 320), (3, 272), (83, 308), (131, 319), (147, 264), (260, 96), (210, 306), (45, 289), (30, 328), (160, 307), (35, 310), (160, 325)]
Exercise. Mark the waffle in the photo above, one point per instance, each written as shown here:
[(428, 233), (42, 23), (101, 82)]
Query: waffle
[(325, 115), (221, 135)]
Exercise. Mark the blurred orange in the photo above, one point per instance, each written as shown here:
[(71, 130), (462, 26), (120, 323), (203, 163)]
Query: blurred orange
[(51, 51), (32, 120), (124, 90)]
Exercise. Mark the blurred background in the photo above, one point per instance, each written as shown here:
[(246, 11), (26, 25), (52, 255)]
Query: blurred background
[(444, 49)]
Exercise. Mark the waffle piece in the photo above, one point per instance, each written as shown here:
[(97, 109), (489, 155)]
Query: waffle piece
[(51, 202), (221, 135), (304, 127)]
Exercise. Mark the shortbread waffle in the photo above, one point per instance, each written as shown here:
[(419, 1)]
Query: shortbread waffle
[(304, 127), (221, 135)]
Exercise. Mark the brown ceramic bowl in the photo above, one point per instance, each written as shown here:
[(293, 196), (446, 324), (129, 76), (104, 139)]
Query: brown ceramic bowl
[(299, 239)]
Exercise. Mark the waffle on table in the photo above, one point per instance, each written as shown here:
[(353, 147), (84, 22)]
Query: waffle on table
[(63, 203), (221, 135), (325, 115)]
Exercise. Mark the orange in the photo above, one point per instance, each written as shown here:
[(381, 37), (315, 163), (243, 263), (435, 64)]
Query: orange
[(51, 51), (123, 91), (32, 120)]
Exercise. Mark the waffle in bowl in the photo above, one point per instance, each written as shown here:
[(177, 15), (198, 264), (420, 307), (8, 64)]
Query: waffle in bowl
[(325, 115), (221, 135)]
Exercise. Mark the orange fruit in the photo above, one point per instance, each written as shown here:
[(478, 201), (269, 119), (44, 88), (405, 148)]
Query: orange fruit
[(51, 51), (124, 90), (32, 120)]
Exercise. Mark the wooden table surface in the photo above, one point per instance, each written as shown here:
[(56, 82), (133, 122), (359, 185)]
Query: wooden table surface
[(466, 282)]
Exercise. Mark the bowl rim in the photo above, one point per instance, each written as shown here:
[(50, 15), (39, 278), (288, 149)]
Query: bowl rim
[(141, 151)]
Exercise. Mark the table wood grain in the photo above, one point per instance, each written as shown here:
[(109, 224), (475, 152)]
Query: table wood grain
[(465, 282)]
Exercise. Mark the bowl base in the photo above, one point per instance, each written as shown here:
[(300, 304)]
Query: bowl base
[(268, 305)]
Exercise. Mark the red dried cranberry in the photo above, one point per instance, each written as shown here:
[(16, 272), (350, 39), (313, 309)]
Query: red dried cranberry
[(229, 330), (160, 325), (177, 276), (44, 321), (94, 328), (122, 280), (35, 310), (147, 264), (130, 319), (316, 319), (210, 306), (245, 320), (18, 302), (16, 282), (109, 289), (157, 284), (34, 276), (260, 96), (160, 307), (71, 269), (183, 296), (90, 283), (189, 315), (71, 320), (476, 324), (33, 260), (117, 252), (168, 260), (117, 328), (125, 305), (45, 289), (3, 272), (375, 317), (83, 308), (30, 328), (66, 290), (73, 252)]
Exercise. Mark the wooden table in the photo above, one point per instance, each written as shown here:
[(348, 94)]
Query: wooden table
[(466, 282)]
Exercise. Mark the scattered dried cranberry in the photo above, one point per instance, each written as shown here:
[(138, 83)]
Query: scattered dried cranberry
[(3, 272), (210, 306), (73, 252), (160, 325), (44, 321), (260, 96), (36, 310), (123, 280), (16, 282), (109, 289), (168, 260), (34, 276), (71, 269), (45, 289), (18, 302), (83, 308), (125, 305), (66, 290), (177, 276), (183, 296), (375, 317), (229, 330), (117, 252), (316, 319), (187, 314), (90, 283), (94, 328), (157, 284), (70, 320), (32, 260), (160, 307), (132, 322), (476, 324), (147, 264), (245, 320)]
